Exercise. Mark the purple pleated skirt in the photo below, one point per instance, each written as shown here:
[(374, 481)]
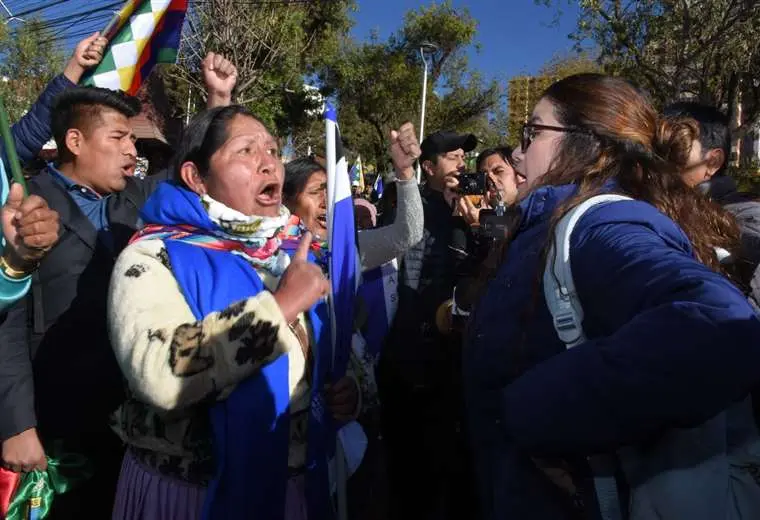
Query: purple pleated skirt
[(144, 494)]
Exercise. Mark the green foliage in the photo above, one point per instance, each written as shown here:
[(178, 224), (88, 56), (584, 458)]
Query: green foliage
[(706, 50), (378, 84), (29, 60), (275, 46), (747, 176)]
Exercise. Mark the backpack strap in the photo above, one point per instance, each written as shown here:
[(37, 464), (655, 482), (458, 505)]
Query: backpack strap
[(559, 287), (567, 312)]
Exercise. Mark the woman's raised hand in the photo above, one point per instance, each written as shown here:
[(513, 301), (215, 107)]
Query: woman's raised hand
[(302, 284)]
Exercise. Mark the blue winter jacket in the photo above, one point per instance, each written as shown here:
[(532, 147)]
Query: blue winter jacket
[(671, 344), (30, 134)]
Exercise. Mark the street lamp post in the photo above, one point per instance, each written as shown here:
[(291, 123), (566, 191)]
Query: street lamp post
[(429, 47)]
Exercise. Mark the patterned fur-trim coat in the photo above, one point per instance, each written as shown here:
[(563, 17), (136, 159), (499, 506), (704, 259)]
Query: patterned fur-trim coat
[(176, 366)]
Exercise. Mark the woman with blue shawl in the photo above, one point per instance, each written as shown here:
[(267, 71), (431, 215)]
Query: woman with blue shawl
[(222, 334)]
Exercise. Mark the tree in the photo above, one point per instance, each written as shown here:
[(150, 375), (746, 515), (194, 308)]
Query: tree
[(275, 46), (564, 65), (705, 50), (30, 60), (378, 84)]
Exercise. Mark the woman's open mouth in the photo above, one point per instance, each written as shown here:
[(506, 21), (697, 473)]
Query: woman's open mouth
[(322, 220), (270, 194)]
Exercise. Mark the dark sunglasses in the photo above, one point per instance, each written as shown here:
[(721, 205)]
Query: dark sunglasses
[(529, 132)]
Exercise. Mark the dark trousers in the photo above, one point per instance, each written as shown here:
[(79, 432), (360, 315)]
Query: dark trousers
[(93, 498), (367, 489), (428, 461)]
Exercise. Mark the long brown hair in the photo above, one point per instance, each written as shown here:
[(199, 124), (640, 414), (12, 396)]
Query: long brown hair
[(643, 153), (626, 142)]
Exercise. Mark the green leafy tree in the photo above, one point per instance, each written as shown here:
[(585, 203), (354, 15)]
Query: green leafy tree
[(275, 46), (378, 83), (705, 50), (29, 59)]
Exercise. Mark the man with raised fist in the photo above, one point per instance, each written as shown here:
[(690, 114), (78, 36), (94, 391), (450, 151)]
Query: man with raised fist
[(76, 381)]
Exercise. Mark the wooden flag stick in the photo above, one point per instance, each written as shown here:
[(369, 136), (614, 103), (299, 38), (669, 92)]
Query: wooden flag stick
[(115, 23), (10, 147), (113, 26)]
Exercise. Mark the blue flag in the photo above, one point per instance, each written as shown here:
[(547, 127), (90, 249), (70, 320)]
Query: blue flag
[(378, 187), (341, 243)]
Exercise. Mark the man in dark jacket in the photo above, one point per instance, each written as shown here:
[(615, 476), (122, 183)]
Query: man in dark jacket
[(707, 171), (21, 447), (77, 383), (419, 372)]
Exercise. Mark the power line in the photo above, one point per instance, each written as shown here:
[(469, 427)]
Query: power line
[(62, 20), (68, 25), (39, 9), (84, 23)]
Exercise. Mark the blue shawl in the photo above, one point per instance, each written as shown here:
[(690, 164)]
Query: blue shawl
[(251, 428)]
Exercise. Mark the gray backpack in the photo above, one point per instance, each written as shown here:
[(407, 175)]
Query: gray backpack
[(703, 473)]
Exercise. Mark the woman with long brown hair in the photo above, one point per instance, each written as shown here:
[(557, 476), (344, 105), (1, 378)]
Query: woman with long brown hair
[(671, 342)]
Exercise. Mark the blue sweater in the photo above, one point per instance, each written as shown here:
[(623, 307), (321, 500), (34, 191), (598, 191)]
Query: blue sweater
[(29, 135), (671, 344)]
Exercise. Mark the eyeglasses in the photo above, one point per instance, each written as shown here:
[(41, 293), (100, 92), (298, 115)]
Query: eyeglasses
[(529, 132)]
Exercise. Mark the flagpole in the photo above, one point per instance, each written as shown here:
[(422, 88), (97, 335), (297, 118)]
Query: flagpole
[(10, 147), (118, 19), (189, 97), (332, 167)]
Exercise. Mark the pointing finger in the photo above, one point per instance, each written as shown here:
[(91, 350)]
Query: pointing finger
[(302, 252)]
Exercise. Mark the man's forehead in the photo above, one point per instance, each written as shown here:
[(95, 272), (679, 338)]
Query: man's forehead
[(106, 120), (114, 118)]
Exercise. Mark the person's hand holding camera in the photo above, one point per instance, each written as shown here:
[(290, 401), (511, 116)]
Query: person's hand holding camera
[(471, 197), (466, 209)]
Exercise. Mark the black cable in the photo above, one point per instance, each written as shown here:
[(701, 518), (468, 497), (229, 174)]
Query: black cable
[(73, 19), (61, 25), (38, 9)]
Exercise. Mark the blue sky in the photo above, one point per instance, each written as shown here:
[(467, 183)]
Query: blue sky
[(516, 36)]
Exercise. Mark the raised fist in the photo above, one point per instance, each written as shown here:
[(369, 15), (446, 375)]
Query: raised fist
[(30, 228), (220, 78), (87, 54), (404, 149)]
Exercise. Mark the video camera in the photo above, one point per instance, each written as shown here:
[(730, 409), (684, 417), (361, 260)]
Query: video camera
[(494, 223), (500, 222), (472, 184)]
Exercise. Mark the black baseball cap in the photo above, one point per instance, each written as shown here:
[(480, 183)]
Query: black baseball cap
[(446, 141)]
